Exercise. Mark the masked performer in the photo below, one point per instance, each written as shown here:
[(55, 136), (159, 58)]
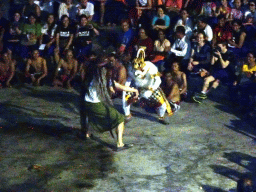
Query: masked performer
[(97, 105), (146, 78)]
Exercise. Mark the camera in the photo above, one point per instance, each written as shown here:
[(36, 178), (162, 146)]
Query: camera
[(216, 49)]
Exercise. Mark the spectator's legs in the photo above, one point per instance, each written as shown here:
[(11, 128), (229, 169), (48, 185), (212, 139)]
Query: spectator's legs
[(207, 82)]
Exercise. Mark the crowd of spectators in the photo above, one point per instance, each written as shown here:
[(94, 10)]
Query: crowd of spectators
[(51, 41)]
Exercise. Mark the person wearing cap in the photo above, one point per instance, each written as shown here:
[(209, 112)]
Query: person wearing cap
[(97, 111)]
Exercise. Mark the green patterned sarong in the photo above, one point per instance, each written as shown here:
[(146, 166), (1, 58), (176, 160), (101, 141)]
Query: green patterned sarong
[(102, 117)]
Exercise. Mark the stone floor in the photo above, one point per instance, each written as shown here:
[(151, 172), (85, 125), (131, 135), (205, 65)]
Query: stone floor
[(206, 147)]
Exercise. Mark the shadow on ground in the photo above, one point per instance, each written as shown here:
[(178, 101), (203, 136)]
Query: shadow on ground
[(246, 161), (63, 162)]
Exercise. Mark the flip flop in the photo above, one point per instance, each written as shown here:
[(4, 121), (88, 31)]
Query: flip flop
[(126, 146)]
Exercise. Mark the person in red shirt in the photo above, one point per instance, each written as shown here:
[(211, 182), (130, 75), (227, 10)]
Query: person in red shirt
[(143, 40), (221, 32)]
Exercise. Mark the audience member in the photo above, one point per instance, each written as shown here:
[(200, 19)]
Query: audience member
[(181, 49), (36, 69), (247, 82), (13, 34), (65, 71), (83, 38), (7, 70), (85, 8), (236, 12), (223, 9), (125, 37), (222, 62), (221, 32), (31, 33), (203, 26), (186, 22), (209, 12), (31, 8), (161, 20), (251, 11), (200, 55), (64, 37), (48, 36), (143, 40), (69, 9), (161, 48), (238, 38)]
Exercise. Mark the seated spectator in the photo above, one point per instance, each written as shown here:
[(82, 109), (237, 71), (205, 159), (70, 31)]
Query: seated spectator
[(161, 20), (238, 37), (7, 70), (203, 26), (250, 39), (83, 38), (65, 71), (223, 9), (201, 54), (247, 84), (36, 69), (252, 11), (125, 37), (222, 61), (181, 49), (161, 48), (186, 22), (85, 8), (143, 40), (31, 33), (180, 78), (171, 90), (48, 36), (64, 37), (221, 32), (173, 5), (13, 34), (68, 9), (209, 12), (236, 12), (31, 8)]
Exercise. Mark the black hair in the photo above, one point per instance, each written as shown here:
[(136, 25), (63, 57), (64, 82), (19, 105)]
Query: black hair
[(237, 21), (225, 43), (63, 17), (82, 16), (221, 16), (180, 29)]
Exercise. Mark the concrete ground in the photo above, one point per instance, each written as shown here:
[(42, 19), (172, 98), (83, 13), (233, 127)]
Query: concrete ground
[(206, 147)]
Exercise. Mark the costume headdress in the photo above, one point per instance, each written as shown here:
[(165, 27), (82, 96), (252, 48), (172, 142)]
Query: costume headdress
[(139, 60)]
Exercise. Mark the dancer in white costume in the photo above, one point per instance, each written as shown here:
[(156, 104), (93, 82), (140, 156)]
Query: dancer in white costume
[(145, 76)]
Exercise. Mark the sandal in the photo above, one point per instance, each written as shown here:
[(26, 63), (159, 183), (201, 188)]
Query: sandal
[(126, 146)]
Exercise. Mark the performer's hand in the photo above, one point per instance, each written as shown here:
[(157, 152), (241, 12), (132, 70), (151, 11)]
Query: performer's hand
[(136, 94)]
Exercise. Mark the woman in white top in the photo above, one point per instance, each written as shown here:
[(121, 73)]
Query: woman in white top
[(97, 105)]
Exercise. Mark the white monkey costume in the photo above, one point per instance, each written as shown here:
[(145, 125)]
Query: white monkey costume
[(145, 76)]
